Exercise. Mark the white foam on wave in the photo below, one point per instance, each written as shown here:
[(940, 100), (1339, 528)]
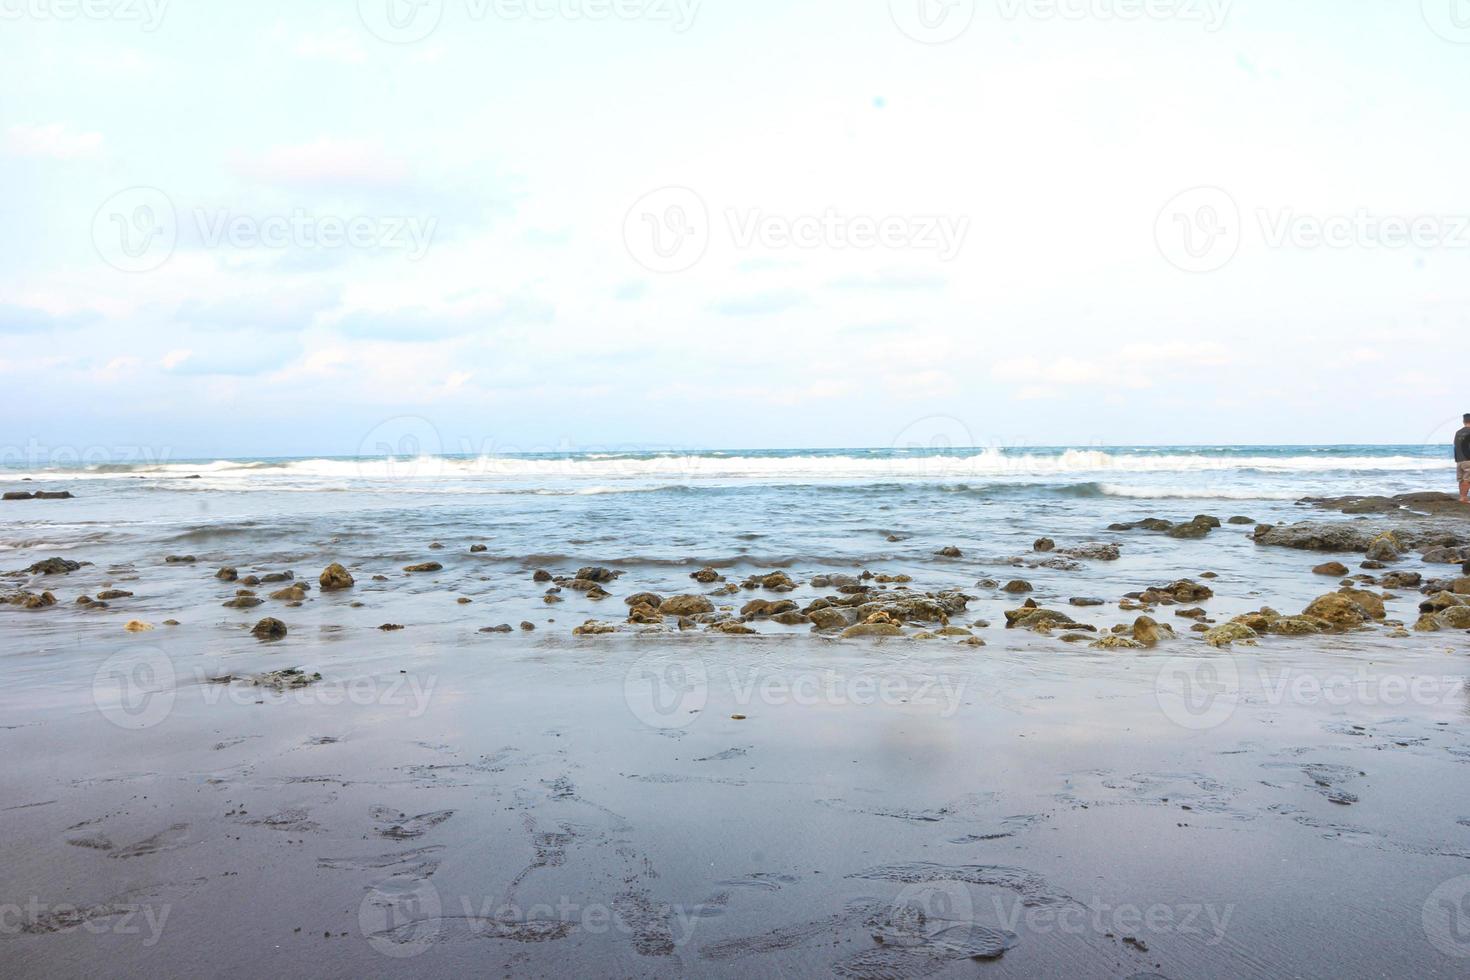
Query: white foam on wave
[(608, 467)]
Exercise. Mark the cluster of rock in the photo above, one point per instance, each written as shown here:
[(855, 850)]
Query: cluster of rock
[(1199, 527), (857, 609)]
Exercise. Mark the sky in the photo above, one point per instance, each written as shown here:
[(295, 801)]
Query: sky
[(310, 227)]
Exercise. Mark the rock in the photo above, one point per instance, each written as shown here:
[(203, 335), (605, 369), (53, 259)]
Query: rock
[(428, 566), (138, 626), (53, 495), (254, 580), (1038, 619), (244, 602), (1294, 626), (1338, 610), (287, 680), (1224, 636), (871, 630), (1444, 556), (276, 577), (1082, 601), (773, 582), (599, 575), (478, 549), (1115, 642), (180, 560), (1367, 601), (1385, 548), (294, 593), (227, 574), (1094, 551), (1193, 530), (19, 495), (707, 576), (686, 605), (111, 594), (1402, 580), (269, 629), (651, 599), (335, 578), (1334, 569), (29, 600), (731, 627), (436, 546), (792, 617), (1456, 617), (528, 627), (1044, 544), (54, 566), (828, 618), (391, 628), (1241, 520), (594, 628), (541, 575), (1314, 536), (950, 552), (765, 608), (1148, 633), (1017, 587)]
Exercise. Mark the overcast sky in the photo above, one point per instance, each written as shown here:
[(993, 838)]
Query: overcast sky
[(275, 228)]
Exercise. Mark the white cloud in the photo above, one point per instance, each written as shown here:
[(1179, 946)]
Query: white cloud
[(328, 162), (52, 141)]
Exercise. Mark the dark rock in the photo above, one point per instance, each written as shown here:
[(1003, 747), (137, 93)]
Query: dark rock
[(478, 549), (269, 629), (1044, 544), (428, 566), (1335, 569), (244, 602), (707, 576), (180, 560), (599, 575), (227, 574), (111, 594), (950, 552), (19, 495), (1017, 587), (54, 566)]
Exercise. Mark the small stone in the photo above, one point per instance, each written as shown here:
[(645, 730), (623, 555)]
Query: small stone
[(1334, 569), (138, 626), (428, 566)]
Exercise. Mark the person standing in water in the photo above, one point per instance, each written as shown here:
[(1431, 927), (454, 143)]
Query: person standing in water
[(1462, 460)]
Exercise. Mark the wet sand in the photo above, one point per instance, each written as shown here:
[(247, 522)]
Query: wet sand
[(537, 804)]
